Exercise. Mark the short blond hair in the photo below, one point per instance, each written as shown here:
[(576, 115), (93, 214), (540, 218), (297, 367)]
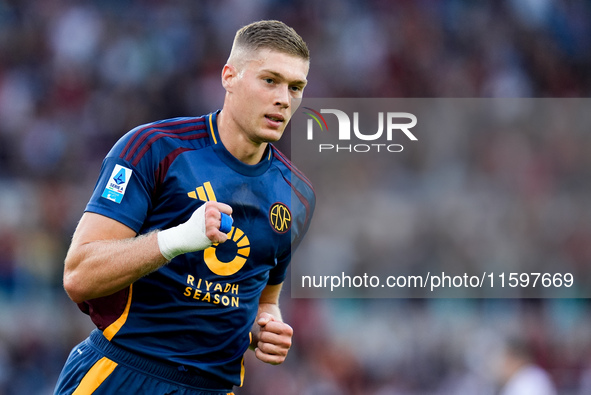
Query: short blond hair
[(273, 35)]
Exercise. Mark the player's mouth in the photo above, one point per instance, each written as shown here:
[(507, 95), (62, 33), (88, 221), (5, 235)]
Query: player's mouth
[(275, 120)]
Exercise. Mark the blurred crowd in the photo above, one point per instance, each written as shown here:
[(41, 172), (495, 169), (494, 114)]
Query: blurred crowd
[(76, 75)]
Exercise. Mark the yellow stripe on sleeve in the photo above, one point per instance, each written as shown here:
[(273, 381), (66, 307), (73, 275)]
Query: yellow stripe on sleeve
[(95, 376)]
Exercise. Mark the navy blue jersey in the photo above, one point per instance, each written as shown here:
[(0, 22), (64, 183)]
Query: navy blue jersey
[(198, 310)]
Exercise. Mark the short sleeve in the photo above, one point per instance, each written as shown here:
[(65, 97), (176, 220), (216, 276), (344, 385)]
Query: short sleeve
[(122, 193)]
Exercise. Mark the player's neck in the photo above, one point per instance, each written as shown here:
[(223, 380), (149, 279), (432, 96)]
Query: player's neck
[(242, 148)]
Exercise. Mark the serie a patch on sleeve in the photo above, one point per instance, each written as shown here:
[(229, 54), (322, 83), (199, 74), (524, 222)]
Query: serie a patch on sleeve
[(117, 184)]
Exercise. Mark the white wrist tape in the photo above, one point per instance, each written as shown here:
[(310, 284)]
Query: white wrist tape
[(186, 237)]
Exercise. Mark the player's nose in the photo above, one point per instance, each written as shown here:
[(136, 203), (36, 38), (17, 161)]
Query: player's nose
[(283, 98)]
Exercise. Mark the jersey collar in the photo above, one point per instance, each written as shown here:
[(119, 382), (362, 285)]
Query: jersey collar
[(229, 159)]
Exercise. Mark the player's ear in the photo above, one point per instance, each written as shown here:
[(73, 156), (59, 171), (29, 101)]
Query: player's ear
[(229, 73)]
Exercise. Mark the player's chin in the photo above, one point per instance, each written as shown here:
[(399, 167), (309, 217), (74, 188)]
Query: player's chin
[(274, 138), (271, 135)]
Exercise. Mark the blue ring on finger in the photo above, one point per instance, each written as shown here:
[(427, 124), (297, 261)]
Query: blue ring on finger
[(226, 224)]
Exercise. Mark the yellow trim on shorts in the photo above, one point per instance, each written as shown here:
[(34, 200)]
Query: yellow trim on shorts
[(95, 376)]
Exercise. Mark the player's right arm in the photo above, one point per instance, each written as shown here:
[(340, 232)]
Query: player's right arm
[(106, 256)]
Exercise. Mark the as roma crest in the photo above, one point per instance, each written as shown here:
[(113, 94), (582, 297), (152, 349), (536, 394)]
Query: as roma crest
[(280, 217)]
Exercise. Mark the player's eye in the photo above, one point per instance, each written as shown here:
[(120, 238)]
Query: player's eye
[(269, 80)]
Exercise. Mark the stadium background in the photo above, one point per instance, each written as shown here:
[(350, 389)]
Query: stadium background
[(75, 75)]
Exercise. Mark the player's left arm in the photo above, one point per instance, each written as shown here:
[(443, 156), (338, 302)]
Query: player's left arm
[(271, 338)]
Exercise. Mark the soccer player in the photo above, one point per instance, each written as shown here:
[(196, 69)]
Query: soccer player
[(178, 294)]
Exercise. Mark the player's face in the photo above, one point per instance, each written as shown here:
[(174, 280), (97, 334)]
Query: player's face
[(266, 93)]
